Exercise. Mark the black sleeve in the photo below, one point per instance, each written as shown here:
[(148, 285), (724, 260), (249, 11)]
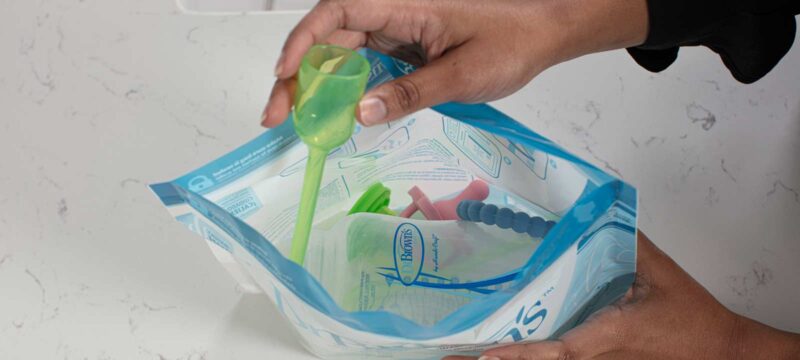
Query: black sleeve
[(750, 36)]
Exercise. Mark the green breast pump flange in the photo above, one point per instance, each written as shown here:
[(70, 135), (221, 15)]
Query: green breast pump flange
[(330, 82)]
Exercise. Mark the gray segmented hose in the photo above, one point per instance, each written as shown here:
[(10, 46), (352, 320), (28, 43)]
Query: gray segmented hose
[(505, 218)]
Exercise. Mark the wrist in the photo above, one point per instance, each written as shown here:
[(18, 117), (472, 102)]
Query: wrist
[(591, 26), (753, 340)]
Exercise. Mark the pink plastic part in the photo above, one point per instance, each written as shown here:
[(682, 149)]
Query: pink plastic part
[(409, 210), (476, 190), (422, 203), (444, 209)]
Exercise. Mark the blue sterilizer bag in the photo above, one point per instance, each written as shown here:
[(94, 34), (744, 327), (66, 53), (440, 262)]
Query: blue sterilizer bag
[(377, 285)]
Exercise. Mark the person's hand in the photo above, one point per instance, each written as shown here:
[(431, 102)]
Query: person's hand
[(469, 51), (665, 315)]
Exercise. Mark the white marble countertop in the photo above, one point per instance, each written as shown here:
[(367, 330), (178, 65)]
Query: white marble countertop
[(98, 98)]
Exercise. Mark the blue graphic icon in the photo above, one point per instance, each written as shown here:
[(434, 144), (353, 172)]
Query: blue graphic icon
[(200, 183)]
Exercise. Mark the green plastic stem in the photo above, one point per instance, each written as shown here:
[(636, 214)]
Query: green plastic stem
[(308, 203), (330, 82)]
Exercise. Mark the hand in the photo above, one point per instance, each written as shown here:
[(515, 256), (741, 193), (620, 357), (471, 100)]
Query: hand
[(469, 51), (665, 315)]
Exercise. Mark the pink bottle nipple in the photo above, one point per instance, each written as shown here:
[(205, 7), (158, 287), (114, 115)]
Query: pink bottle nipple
[(444, 209)]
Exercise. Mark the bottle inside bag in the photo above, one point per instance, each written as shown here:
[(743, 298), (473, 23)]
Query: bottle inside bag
[(422, 270)]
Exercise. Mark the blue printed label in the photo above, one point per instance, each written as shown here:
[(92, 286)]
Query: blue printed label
[(475, 145), (241, 204), (241, 161), (409, 253)]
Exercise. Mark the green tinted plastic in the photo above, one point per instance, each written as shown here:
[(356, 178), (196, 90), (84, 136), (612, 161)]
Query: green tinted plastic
[(330, 82), (374, 200)]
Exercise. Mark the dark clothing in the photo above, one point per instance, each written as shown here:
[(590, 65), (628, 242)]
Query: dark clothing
[(750, 36)]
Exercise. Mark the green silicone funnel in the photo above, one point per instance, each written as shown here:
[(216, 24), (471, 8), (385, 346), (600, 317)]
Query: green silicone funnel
[(330, 82)]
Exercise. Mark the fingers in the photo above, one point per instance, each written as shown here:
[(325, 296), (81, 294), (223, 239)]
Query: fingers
[(280, 101), (598, 335), (347, 38), (279, 104), (322, 21), (543, 350), (440, 81), (329, 21), (315, 27)]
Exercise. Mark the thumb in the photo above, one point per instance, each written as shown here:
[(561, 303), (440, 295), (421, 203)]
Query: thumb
[(440, 81)]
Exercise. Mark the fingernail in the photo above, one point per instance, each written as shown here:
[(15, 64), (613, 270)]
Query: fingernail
[(264, 118), (373, 110), (486, 357), (279, 66)]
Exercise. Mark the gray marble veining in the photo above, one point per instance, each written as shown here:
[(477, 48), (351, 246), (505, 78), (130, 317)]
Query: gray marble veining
[(99, 98)]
